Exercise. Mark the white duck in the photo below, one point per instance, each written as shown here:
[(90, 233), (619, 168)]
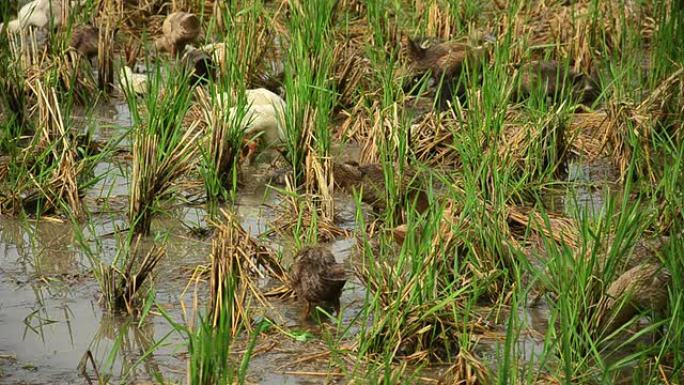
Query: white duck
[(265, 114), (37, 13), (130, 80)]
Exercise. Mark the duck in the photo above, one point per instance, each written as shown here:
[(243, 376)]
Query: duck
[(84, 39), (549, 76), (643, 287), (179, 29), (399, 234), (370, 179), (200, 63), (36, 13), (317, 279), (264, 115), (445, 60), (129, 80)]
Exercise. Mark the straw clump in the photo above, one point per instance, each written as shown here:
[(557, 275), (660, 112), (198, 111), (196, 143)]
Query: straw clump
[(236, 259), (122, 288)]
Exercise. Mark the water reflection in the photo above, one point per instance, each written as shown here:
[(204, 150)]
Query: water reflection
[(591, 185), (42, 247), (123, 348)]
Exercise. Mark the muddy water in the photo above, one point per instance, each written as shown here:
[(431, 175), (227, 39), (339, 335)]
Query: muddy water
[(51, 316), (50, 312), (590, 184)]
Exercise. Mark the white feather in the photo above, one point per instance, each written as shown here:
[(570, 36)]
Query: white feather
[(38, 13), (264, 114), (129, 80)]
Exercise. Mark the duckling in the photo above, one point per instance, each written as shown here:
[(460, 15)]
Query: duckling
[(135, 82), (644, 286), (317, 279), (84, 39), (399, 234), (179, 29), (370, 178), (446, 61), (36, 13), (550, 76)]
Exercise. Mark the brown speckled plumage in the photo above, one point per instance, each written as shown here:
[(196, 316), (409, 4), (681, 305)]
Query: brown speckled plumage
[(442, 59), (446, 61), (351, 175), (549, 76), (371, 180), (84, 39), (645, 286), (317, 279), (179, 29), (200, 63)]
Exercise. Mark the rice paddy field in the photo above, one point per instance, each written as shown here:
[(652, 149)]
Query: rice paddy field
[(342, 192)]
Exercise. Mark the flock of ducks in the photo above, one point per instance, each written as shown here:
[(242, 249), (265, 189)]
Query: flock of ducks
[(315, 276), (446, 62)]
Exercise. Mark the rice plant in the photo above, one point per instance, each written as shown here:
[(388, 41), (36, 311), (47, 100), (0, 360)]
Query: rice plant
[(241, 39), (53, 171), (124, 281), (163, 149), (517, 196), (309, 99), (235, 259)]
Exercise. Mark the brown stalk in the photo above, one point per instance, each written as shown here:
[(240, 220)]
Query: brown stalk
[(122, 289), (235, 259), (105, 45)]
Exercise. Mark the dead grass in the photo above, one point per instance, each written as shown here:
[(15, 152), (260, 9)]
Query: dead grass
[(105, 48), (572, 31), (122, 289), (467, 369), (300, 212), (632, 126), (51, 164), (236, 262)]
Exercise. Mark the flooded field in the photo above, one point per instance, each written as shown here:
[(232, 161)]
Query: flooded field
[(341, 192)]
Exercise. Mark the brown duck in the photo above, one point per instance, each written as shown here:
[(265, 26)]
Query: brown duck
[(200, 64), (317, 279), (84, 39), (370, 179), (179, 29), (549, 75), (643, 287), (445, 61)]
